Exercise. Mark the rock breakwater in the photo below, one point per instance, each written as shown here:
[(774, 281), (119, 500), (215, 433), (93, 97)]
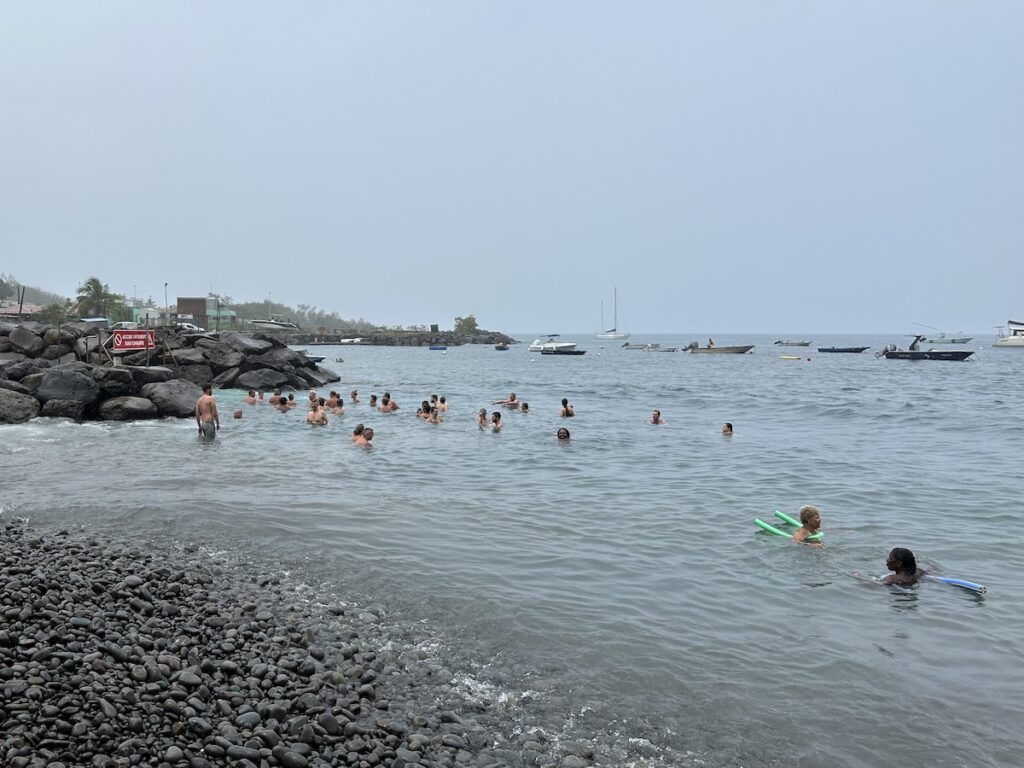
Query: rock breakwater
[(46, 371), (113, 655)]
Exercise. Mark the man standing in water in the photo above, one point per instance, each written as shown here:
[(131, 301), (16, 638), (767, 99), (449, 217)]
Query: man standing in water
[(207, 418)]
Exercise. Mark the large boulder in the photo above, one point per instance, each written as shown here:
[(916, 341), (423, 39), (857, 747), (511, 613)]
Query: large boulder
[(63, 409), (12, 357), (55, 351), (188, 356), (6, 329), (5, 344), (16, 407), (24, 341), (51, 337), (153, 374), (113, 382), (197, 374), (247, 345), (13, 386), (225, 379), (176, 397), (19, 370), (265, 378), (34, 326), (318, 377), (128, 409), (85, 345), (221, 356), (66, 384), (280, 359)]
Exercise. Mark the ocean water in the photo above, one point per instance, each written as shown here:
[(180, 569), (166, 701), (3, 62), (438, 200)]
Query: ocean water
[(614, 589)]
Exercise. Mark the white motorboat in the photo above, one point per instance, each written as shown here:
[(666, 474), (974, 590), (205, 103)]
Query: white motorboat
[(612, 334), (1012, 335), (942, 338), (550, 345), (273, 324)]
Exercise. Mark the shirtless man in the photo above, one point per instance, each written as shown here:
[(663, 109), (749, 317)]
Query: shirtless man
[(275, 398), (357, 434), (392, 403), (332, 401), (442, 404), (367, 436), (315, 415), (656, 418), (509, 402), (313, 398), (567, 409), (251, 397), (354, 395), (481, 418), (496, 422), (434, 417), (207, 418)]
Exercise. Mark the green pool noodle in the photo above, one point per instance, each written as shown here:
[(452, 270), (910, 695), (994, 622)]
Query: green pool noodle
[(772, 529)]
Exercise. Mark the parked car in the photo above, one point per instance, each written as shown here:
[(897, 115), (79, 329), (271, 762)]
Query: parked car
[(125, 325), (190, 328)]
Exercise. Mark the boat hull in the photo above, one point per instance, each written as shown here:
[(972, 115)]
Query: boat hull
[(928, 354), (563, 351), (850, 350), (792, 343), (959, 340), (611, 336), (735, 350)]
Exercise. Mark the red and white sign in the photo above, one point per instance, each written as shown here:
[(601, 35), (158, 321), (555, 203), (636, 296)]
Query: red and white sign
[(130, 341)]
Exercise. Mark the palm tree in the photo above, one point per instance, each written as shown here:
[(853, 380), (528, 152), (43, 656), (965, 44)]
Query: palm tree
[(96, 299)]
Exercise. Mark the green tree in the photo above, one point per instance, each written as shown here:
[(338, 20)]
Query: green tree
[(57, 313), (466, 324), (6, 289), (95, 299)]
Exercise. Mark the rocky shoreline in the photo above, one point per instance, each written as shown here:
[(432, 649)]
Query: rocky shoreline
[(62, 372), (114, 655)]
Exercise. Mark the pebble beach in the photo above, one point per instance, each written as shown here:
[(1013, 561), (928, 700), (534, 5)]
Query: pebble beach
[(120, 654)]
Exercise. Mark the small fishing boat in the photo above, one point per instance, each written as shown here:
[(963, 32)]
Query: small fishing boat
[(944, 339), (273, 324), (628, 345), (502, 347), (790, 357), (712, 349), (438, 347), (782, 343), (563, 352), (316, 358), (659, 348), (339, 360), (851, 350), (914, 352)]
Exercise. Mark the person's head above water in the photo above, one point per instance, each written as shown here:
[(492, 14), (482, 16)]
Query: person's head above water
[(810, 517), (727, 428), (901, 560), (562, 433)]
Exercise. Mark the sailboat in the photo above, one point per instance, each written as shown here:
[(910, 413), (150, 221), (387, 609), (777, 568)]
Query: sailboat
[(612, 334)]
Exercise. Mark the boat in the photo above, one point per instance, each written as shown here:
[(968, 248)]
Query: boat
[(852, 350), (612, 334), (627, 345), (502, 347), (563, 352), (659, 348), (944, 339), (316, 358), (356, 340), (438, 347), (1012, 335), (914, 352), (339, 360), (790, 357), (740, 349), (782, 343), (273, 324), (548, 343)]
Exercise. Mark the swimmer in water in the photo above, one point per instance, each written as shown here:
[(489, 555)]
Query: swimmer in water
[(357, 433), (481, 418), (238, 413), (275, 398), (656, 418), (316, 415), (250, 399), (567, 409), (496, 422), (810, 523), (727, 429), (354, 395), (904, 568), (373, 401), (524, 408), (508, 402), (562, 433)]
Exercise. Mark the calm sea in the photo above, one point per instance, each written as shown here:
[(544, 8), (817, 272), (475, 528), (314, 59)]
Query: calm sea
[(614, 588)]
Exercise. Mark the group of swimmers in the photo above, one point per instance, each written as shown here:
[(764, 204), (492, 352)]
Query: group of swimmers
[(901, 561)]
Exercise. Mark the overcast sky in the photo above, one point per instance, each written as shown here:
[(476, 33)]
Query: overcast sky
[(730, 166)]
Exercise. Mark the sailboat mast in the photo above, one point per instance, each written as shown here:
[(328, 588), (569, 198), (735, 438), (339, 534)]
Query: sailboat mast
[(615, 299)]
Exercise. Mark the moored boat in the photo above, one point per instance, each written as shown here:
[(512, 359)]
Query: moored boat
[(613, 333), (563, 352), (273, 324), (1012, 335), (852, 350), (548, 343), (914, 352), (713, 349), (502, 347), (782, 343)]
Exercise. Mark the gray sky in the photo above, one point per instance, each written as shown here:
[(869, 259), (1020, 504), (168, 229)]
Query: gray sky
[(730, 166)]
